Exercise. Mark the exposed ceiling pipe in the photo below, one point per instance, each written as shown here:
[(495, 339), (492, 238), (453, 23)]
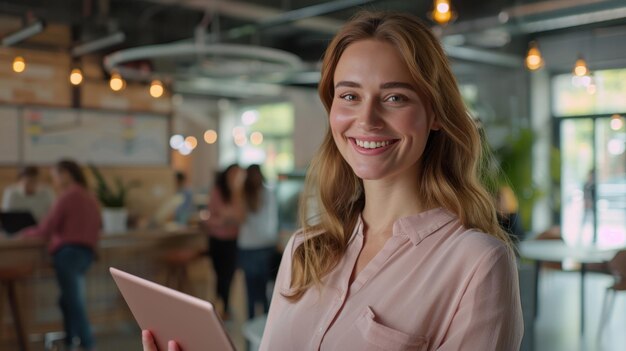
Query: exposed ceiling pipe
[(312, 11), (98, 44), (483, 56), (256, 13), (293, 16), (24, 33), (572, 20), (513, 17)]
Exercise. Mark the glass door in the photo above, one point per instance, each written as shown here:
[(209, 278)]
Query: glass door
[(593, 181), (577, 160), (610, 181)]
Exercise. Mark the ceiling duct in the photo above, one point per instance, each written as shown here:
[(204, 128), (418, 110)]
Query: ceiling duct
[(544, 16), (24, 33), (99, 44)]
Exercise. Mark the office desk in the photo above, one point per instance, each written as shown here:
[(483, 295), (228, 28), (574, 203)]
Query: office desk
[(558, 251), (139, 252)]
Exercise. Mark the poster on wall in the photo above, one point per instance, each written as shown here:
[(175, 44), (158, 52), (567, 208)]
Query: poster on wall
[(102, 138), (9, 131)]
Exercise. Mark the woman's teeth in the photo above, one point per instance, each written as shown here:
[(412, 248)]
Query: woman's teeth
[(372, 144)]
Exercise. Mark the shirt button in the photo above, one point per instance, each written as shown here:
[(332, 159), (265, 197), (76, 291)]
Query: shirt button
[(320, 329)]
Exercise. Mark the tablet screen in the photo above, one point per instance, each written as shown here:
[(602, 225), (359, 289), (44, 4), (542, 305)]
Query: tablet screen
[(172, 315)]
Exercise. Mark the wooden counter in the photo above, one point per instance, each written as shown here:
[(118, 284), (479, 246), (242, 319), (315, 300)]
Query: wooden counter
[(139, 252)]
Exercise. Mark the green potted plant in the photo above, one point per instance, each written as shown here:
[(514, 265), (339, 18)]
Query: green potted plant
[(516, 163), (113, 200)]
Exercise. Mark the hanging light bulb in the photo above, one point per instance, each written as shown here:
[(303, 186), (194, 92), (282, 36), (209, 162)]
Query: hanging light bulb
[(19, 64), (534, 61), (76, 76), (117, 83), (616, 122), (156, 89), (442, 13), (256, 138), (580, 69), (591, 85), (210, 136)]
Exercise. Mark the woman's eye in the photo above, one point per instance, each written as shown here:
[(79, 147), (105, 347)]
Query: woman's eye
[(348, 97), (396, 98)]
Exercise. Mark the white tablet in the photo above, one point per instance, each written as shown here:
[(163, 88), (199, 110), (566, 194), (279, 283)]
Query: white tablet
[(172, 315)]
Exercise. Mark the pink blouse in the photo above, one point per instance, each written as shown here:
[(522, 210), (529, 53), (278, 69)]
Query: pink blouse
[(435, 285), (222, 222)]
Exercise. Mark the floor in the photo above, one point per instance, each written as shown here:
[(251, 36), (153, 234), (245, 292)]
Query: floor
[(556, 327)]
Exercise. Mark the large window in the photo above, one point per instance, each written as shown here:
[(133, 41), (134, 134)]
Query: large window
[(602, 93), (593, 157), (261, 134)]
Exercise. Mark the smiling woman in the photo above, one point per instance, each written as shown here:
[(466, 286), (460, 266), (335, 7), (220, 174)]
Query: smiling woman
[(405, 251), (379, 122)]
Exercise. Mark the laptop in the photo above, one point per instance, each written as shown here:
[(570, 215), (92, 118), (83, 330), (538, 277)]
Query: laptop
[(14, 221)]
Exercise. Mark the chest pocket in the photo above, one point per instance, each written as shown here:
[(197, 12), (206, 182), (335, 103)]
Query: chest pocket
[(381, 337)]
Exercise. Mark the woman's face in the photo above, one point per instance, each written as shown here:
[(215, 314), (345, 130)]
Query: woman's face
[(235, 177), (60, 178), (379, 123)]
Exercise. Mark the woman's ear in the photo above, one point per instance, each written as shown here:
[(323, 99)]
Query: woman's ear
[(435, 125)]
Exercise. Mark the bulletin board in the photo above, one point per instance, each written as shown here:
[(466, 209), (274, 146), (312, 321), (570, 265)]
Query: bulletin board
[(9, 130), (103, 138)]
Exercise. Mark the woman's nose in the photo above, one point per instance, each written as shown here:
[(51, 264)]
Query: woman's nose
[(369, 117)]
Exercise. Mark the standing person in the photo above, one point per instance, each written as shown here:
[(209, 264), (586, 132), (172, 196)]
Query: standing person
[(184, 197), (226, 212), (72, 229), (406, 251), (589, 204), (258, 237), (28, 194)]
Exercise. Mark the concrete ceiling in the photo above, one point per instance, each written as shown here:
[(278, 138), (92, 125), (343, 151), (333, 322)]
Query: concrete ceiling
[(492, 32)]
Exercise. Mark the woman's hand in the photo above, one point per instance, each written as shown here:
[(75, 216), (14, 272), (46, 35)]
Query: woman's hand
[(148, 343)]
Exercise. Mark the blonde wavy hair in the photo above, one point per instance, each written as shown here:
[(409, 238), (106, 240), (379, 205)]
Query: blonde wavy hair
[(450, 164)]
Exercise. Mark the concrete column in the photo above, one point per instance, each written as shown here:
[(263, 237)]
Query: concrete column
[(541, 124)]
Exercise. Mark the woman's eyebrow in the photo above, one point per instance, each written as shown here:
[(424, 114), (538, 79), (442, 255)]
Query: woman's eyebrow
[(388, 85), (349, 84), (395, 85)]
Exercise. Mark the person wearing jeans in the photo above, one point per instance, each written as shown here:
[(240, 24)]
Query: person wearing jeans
[(71, 262), (258, 237), (226, 212), (72, 229)]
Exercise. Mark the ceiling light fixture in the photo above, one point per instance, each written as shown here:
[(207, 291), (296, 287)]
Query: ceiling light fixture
[(534, 61), (442, 12), (216, 61), (616, 122), (76, 76), (117, 83), (210, 136), (156, 89), (19, 64), (24, 33), (580, 69)]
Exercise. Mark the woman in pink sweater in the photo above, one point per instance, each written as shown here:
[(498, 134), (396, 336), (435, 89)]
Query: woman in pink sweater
[(72, 229), (406, 252)]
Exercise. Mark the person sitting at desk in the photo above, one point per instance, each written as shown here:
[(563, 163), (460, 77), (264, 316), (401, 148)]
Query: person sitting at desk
[(72, 229), (28, 194)]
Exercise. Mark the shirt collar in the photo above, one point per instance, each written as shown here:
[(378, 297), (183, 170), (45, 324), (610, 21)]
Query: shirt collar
[(418, 226)]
